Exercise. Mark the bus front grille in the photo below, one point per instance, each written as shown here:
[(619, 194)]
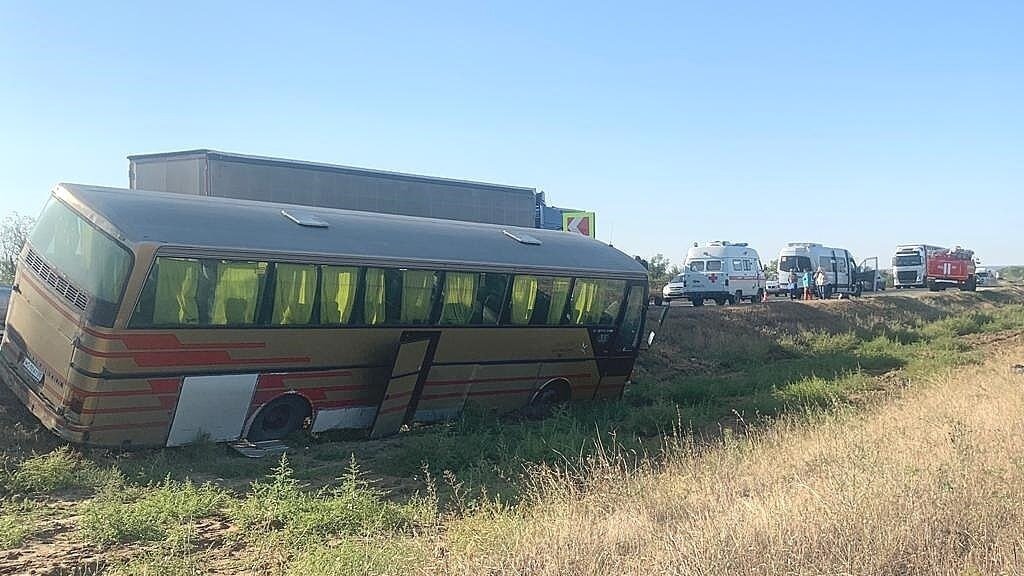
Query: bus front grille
[(48, 274)]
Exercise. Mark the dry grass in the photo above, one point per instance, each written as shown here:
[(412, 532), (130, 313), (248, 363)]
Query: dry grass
[(929, 483)]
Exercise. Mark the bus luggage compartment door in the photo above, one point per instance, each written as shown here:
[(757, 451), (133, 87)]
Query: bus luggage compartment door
[(213, 407), (412, 363)]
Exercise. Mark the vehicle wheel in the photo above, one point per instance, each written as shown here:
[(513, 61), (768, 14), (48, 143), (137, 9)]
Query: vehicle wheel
[(697, 301), (720, 301), (657, 300), (971, 285), (933, 287), (544, 400), (279, 418)]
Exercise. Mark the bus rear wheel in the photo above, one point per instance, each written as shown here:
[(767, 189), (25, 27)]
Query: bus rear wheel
[(280, 417)]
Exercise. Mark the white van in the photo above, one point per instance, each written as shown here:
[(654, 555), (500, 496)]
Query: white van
[(985, 277), (720, 271), (840, 268)]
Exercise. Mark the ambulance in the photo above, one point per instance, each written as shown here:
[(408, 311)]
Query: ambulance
[(720, 271)]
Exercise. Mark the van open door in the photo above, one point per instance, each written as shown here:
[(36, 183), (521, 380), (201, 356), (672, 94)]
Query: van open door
[(869, 275)]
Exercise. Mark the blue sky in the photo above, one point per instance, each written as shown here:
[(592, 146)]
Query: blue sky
[(860, 125)]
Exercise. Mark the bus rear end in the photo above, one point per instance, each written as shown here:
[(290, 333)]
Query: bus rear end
[(70, 274)]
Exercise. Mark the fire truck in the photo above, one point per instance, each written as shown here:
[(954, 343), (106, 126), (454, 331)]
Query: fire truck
[(949, 268)]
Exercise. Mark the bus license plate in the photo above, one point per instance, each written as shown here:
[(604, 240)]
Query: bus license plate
[(33, 370)]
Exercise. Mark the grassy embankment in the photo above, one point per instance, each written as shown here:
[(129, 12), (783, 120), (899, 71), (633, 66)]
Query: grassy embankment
[(743, 448)]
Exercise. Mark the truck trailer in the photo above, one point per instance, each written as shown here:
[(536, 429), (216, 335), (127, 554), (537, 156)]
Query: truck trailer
[(227, 175)]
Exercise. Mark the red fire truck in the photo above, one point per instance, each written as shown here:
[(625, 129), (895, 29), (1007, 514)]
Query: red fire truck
[(954, 267)]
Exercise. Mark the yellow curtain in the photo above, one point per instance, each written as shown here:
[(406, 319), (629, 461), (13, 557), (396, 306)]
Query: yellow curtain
[(234, 298), (373, 299), (583, 301), (459, 296), (524, 299), (338, 294), (293, 294), (176, 292), (417, 289), (559, 295)]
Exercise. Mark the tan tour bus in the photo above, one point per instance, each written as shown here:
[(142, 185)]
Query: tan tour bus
[(156, 319)]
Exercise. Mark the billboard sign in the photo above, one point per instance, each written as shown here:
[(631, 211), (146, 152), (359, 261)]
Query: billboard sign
[(579, 222)]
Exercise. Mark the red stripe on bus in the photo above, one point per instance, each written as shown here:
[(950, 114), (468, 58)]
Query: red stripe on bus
[(478, 393), (273, 381), (127, 409), (77, 428), (165, 385), (510, 379), (165, 341), (190, 358), (397, 396)]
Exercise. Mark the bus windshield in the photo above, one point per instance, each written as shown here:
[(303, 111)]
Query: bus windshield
[(89, 259)]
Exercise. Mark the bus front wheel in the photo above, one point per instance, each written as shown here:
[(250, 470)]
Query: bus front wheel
[(279, 418), (544, 400)]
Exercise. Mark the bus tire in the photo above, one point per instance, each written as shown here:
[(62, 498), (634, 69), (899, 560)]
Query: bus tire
[(697, 301), (545, 399), (278, 418)]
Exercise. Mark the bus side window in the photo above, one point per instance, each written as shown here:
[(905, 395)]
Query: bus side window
[(524, 299), (490, 298), (537, 301), (737, 266), (338, 286), (169, 296), (374, 297), (294, 290), (236, 292), (459, 297), (596, 302), (418, 290)]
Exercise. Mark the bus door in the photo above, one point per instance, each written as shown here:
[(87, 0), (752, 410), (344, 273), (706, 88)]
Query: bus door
[(616, 350), (408, 372)]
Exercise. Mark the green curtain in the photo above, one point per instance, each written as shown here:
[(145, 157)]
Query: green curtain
[(338, 294), (559, 295), (417, 289), (373, 301), (459, 297), (176, 292), (524, 299), (236, 292), (293, 293)]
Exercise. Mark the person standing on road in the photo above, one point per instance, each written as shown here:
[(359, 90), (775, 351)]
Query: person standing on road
[(793, 294), (806, 283), (821, 283)]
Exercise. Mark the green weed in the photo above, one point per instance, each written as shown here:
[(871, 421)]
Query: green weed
[(17, 519), (144, 514), (61, 469), (352, 508)]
